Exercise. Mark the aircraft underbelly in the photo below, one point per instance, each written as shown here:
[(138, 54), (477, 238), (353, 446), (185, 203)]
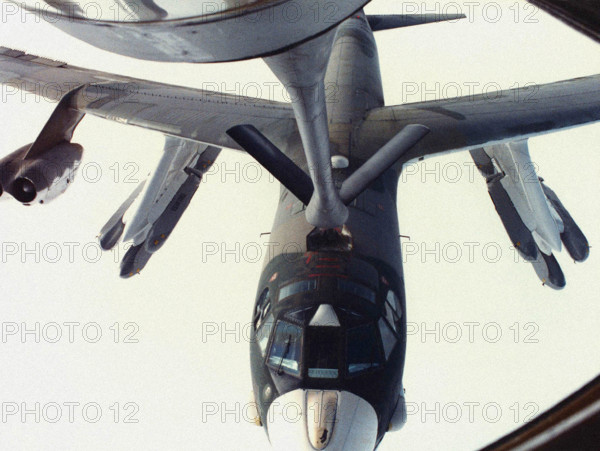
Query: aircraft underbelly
[(202, 31)]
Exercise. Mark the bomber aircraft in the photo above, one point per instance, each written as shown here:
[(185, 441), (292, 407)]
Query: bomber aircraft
[(329, 320)]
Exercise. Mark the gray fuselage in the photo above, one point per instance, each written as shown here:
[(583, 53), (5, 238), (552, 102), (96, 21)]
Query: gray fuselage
[(357, 270)]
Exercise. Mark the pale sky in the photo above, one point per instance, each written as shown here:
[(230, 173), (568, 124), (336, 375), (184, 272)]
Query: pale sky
[(189, 383)]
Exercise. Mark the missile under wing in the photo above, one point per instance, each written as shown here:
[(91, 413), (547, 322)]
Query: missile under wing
[(112, 231), (532, 214), (166, 197)]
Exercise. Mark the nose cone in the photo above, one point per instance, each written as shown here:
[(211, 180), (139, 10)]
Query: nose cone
[(322, 419)]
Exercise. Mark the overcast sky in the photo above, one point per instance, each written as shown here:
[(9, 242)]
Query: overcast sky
[(501, 347)]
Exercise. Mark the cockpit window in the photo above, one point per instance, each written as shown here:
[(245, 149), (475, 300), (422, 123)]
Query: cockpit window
[(394, 302), (393, 311), (388, 337), (263, 333), (297, 287), (263, 307), (301, 315), (390, 315), (347, 286), (363, 349), (323, 355), (284, 355)]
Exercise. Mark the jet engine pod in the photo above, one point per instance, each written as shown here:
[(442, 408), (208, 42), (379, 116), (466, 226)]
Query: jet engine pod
[(198, 31), (572, 237), (549, 271), (10, 166), (518, 232), (24, 189), (45, 178), (111, 236), (164, 225), (134, 261)]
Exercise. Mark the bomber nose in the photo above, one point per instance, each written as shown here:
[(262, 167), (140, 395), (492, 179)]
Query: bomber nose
[(322, 420)]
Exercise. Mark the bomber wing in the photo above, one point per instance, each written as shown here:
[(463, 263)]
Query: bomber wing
[(492, 118), (187, 113), (495, 127), (193, 121)]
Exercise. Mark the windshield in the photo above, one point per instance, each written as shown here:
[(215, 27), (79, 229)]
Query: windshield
[(303, 345), (363, 349), (263, 307), (284, 355), (297, 287), (347, 286), (388, 337), (262, 336), (323, 352)]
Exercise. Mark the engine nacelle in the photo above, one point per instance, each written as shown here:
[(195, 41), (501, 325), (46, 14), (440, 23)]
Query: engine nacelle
[(166, 222), (113, 230), (532, 214), (572, 237), (44, 178), (134, 261), (9, 166), (519, 234), (549, 272)]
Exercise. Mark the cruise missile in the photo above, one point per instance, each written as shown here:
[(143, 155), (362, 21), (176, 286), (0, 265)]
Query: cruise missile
[(534, 217), (525, 191), (111, 232), (165, 224), (549, 272), (134, 261), (518, 232), (572, 237), (139, 254)]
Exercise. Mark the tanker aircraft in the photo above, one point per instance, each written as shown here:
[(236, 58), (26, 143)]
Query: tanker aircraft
[(329, 325)]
